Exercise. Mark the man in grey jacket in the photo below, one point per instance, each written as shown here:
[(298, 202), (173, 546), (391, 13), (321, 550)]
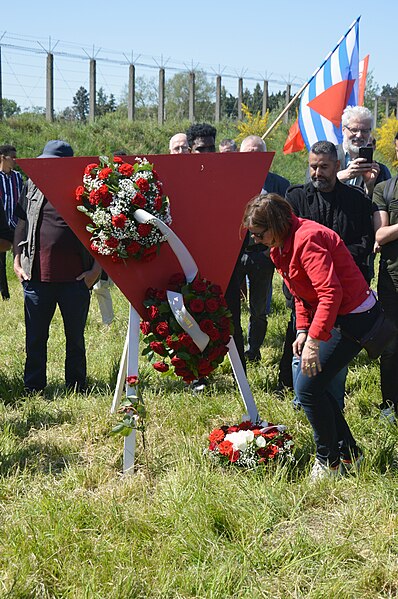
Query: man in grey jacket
[(54, 269)]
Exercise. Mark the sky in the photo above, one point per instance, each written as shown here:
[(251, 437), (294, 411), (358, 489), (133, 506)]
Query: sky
[(283, 41)]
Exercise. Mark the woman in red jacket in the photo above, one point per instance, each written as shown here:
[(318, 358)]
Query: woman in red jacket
[(329, 290)]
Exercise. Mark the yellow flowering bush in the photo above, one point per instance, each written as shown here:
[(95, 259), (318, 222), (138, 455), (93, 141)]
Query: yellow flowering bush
[(385, 139)]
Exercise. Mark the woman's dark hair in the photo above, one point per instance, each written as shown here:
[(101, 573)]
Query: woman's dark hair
[(272, 213)]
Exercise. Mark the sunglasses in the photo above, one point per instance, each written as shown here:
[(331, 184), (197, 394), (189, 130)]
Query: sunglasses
[(259, 235)]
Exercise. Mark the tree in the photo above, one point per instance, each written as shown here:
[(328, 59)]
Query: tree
[(81, 104), (105, 104), (10, 107), (177, 96)]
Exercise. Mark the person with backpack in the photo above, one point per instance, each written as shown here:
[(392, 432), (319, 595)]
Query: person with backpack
[(385, 200)]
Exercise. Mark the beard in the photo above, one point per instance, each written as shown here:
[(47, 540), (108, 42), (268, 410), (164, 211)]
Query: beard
[(322, 184), (353, 149)]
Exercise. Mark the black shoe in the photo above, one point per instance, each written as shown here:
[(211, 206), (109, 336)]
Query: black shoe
[(252, 356), (199, 385)]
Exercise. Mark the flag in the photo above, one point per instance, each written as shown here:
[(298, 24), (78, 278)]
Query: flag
[(330, 89), (363, 71)]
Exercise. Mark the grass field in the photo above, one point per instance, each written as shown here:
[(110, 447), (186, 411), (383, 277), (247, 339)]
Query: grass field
[(71, 526)]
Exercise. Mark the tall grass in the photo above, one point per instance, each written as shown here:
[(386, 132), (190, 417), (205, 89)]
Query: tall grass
[(71, 526)]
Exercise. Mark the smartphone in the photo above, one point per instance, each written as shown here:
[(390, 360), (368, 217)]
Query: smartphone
[(367, 153)]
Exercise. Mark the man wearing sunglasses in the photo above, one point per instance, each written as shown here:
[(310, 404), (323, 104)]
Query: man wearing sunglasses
[(357, 124)]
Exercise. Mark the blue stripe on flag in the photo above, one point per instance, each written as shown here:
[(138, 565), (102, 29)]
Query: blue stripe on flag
[(310, 122)]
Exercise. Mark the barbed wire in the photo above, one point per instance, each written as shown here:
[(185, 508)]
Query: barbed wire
[(26, 84)]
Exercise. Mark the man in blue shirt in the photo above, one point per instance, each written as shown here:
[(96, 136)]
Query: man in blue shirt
[(10, 188)]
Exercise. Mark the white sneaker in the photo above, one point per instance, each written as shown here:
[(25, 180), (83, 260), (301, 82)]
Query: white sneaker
[(320, 471), (388, 415), (351, 466)]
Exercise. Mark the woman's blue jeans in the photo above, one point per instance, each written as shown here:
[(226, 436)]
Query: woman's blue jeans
[(332, 435), (336, 387)]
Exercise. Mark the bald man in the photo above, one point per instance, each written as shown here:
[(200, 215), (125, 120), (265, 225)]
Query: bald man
[(178, 144)]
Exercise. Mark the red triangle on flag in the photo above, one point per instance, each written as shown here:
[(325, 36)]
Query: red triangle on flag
[(207, 192), (294, 141), (333, 100)]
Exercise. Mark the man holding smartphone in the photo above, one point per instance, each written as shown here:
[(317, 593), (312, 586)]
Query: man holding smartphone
[(356, 152)]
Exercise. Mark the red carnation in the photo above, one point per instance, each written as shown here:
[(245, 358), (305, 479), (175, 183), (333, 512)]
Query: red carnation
[(158, 348), (212, 305), (157, 203), (142, 184), (93, 248), (144, 229), (126, 169), (104, 173), (199, 285), (104, 194), (145, 327), (162, 329), (139, 200), (161, 366), (117, 159), (119, 221), (132, 380), (79, 193), (133, 247), (197, 305), (161, 295), (155, 174), (94, 197), (112, 242), (153, 312), (89, 168)]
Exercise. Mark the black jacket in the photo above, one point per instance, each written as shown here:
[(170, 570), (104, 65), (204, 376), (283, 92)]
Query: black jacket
[(349, 215)]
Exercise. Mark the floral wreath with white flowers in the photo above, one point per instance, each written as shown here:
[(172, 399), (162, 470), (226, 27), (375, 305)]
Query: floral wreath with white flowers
[(111, 193), (249, 445)]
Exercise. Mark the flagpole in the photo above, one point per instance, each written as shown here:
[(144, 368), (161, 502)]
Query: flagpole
[(298, 94)]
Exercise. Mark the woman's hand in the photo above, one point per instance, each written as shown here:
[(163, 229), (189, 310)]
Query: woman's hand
[(310, 362), (299, 343)]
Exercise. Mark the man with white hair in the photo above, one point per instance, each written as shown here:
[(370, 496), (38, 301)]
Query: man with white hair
[(178, 144), (357, 123)]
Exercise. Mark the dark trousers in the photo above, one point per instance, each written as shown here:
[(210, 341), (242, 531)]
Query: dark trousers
[(259, 269), (41, 300), (5, 294), (388, 296), (332, 435)]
